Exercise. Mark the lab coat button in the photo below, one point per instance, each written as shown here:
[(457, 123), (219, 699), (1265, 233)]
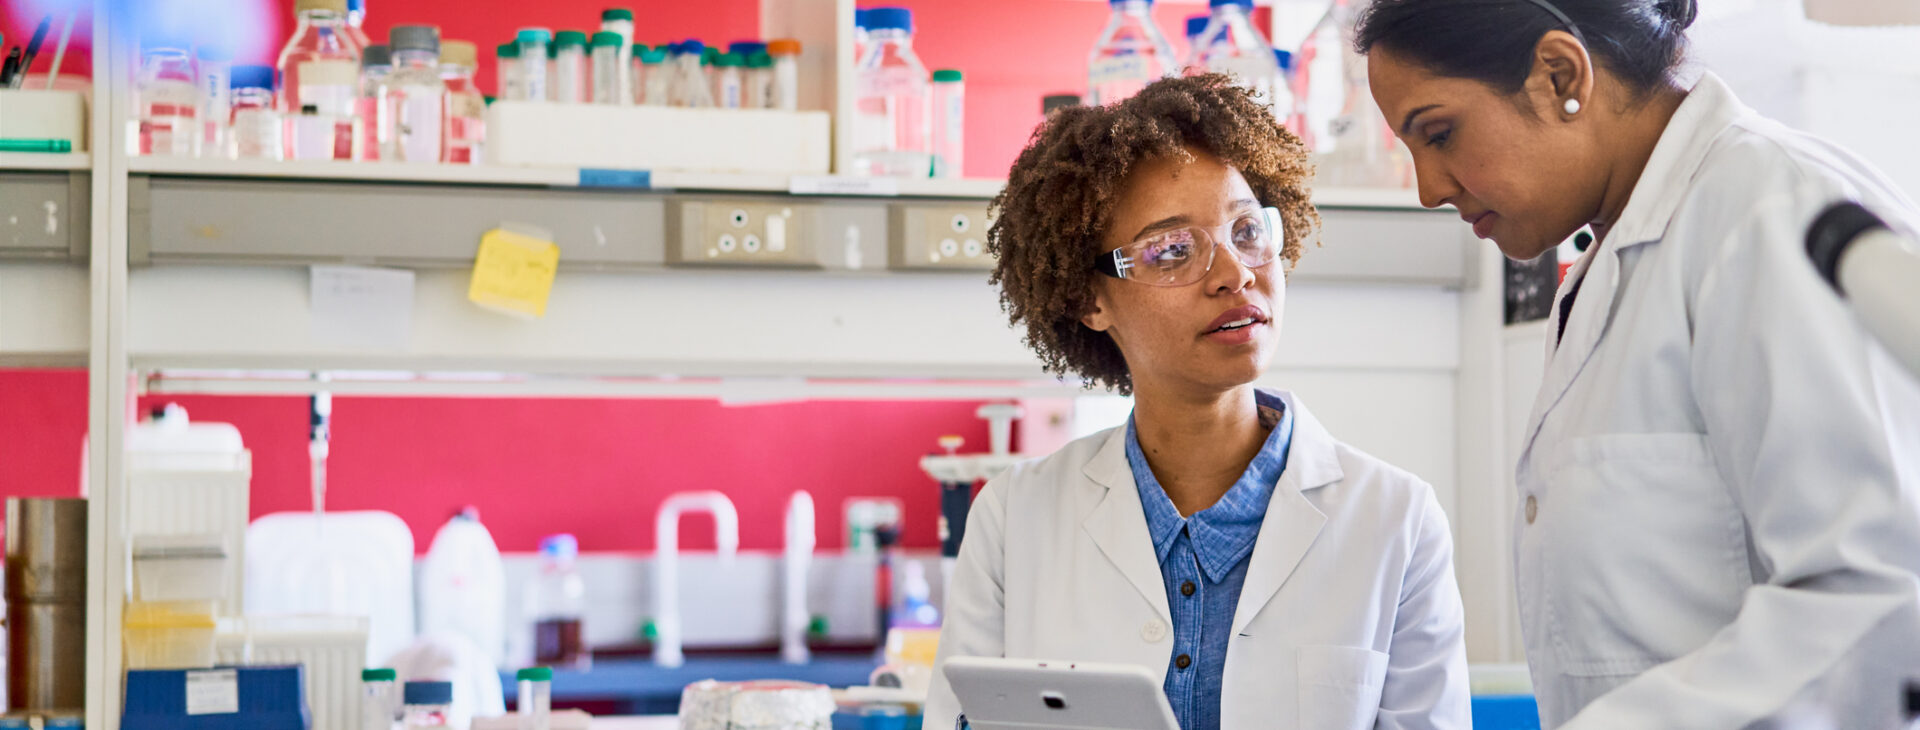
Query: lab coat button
[(1154, 631), (1533, 509)]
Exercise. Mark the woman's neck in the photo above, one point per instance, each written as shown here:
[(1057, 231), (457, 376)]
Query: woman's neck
[(1634, 137), (1198, 445)]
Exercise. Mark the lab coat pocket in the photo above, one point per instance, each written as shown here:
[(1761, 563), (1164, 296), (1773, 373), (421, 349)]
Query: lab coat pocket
[(1339, 686), (1617, 514)]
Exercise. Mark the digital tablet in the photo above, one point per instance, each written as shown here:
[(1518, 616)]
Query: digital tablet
[(1029, 694)]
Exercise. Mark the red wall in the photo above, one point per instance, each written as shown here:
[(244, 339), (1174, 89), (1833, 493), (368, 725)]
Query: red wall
[(596, 468)]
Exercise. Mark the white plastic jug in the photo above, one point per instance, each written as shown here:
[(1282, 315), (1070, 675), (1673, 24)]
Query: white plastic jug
[(338, 563), (463, 586)]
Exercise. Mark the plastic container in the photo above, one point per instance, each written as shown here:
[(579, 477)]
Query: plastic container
[(949, 123), (332, 649), (379, 699), (466, 132), (689, 86), (214, 72), (413, 97), (356, 22), (570, 69), (620, 21), (463, 586), (1338, 120), (1130, 54), (429, 705), (786, 74), (319, 72), (892, 100), (556, 606), (180, 568), (610, 82), (376, 64), (654, 78), (759, 79), (533, 44), (190, 478), (1196, 24), (508, 84), (166, 99), (169, 635), (535, 704), (729, 81), (255, 126), (1231, 45)]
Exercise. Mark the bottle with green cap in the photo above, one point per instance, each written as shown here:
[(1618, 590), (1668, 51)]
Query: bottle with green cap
[(610, 85), (650, 75), (570, 67), (759, 81), (949, 122), (508, 84), (729, 85), (534, 66), (620, 20), (535, 701), (380, 699)]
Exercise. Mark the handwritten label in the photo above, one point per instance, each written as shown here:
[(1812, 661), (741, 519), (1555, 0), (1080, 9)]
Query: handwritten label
[(356, 306), (513, 273), (1130, 67), (215, 692)]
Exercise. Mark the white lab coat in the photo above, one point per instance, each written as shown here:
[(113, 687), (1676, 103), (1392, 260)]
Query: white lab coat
[(1350, 617), (1719, 507)]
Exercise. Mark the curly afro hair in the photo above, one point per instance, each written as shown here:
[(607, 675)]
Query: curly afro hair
[(1061, 192)]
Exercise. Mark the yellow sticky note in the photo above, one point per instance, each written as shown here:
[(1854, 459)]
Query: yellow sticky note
[(513, 273)]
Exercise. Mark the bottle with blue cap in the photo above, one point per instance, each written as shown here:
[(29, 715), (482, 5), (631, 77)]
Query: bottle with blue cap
[(1196, 24), (1130, 54), (256, 128), (557, 604), (1233, 46), (690, 86), (892, 126), (429, 705)]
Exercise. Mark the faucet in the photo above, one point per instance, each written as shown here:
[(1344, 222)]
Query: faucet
[(666, 562), (799, 553)]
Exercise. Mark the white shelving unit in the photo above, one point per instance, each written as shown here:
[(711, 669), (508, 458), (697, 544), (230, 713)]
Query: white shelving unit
[(1410, 341)]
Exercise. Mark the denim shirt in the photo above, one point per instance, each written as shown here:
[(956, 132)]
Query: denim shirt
[(1203, 562)]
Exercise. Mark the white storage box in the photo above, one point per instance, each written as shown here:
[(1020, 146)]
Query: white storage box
[(331, 649), (180, 568), (27, 114), (192, 478), (659, 138)]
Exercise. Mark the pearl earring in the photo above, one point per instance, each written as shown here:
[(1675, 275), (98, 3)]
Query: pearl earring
[(1573, 107)]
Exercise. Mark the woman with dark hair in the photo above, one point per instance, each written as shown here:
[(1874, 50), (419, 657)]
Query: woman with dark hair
[(1270, 575), (1719, 490)]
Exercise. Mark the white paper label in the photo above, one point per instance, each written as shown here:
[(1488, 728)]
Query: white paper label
[(359, 307), (843, 185), (1130, 67), (214, 692)]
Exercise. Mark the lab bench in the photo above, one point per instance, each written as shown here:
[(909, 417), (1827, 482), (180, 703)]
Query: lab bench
[(637, 687)]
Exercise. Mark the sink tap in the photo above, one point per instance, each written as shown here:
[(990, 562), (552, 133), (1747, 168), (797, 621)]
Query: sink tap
[(666, 558), (799, 554)]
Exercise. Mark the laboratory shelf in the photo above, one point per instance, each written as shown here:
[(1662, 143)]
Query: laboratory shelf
[(43, 161), (640, 686)]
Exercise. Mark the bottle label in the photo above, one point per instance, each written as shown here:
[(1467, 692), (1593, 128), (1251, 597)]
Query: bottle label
[(1130, 67), (417, 125), (468, 106)]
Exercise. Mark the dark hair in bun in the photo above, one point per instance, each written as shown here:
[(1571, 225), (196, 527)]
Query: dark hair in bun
[(1641, 42)]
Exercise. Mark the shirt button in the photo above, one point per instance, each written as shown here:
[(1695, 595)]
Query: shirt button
[(1183, 661), (1533, 509), (1154, 631), (1186, 589)]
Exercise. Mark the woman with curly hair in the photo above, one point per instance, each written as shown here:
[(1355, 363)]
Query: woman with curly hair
[(1273, 576)]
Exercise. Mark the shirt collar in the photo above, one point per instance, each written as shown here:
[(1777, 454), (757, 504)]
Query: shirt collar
[(1223, 534), (1710, 107)]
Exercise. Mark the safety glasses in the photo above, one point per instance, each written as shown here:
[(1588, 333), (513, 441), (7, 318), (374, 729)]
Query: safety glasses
[(1182, 256)]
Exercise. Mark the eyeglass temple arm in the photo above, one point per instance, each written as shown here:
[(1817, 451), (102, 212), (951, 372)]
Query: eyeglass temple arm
[(1114, 263)]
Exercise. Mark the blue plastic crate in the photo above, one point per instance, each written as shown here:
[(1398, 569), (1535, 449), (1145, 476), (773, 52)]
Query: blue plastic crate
[(1505, 712), (270, 698)]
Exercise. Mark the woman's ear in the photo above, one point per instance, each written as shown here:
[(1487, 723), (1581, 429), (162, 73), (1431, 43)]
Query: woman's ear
[(1562, 73), (1098, 317)]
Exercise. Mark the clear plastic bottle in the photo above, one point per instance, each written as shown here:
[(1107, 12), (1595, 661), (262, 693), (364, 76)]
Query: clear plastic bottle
[(166, 99), (729, 81), (556, 605), (356, 19), (535, 701), (609, 73), (1339, 121), (759, 81), (570, 67), (320, 67), (214, 73), (1231, 45), (949, 122), (255, 125), (508, 85), (620, 21), (786, 73), (379, 699), (1130, 54), (1196, 24), (860, 38), (466, 132), (689, 87), (413, 97), (1285, 107), (376, 64), (429, 705), (655, 78), (533, 44), (891, 100)]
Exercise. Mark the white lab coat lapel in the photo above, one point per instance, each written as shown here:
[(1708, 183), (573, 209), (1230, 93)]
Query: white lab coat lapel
[(1663, 182), (1292, 522), (1118, 523)]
